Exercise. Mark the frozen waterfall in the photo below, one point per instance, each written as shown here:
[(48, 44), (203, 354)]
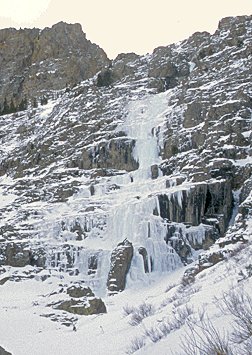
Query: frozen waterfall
[(108, 216)]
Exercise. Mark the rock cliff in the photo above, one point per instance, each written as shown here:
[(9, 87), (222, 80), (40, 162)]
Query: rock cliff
[(35, 63)]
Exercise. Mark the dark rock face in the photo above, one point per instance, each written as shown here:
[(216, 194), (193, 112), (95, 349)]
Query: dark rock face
[(105, 78), (52, 59), (115, 153), (179, 208), (119, 266), (4, 352), (154, 171), (142, 251), (21, 254), (246, 189), (206, 206), (200, 202), (15, 254)]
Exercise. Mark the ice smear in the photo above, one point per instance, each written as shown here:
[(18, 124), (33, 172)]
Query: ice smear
[(236, 197)]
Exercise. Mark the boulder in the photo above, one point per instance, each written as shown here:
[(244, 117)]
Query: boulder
[(82, 307), (78, 291), (205, 261), (119, 266)]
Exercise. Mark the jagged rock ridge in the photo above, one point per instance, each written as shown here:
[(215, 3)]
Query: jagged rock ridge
[(35, 62)]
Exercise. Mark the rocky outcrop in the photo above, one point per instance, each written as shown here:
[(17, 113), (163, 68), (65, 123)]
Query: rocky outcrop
[(20, 254), (115, 154), (52, 59), (197, 216), (15, 254), (185, 238), (205, 261), (246, 190), (123, 67), (79, 299), (119, 266), (81, 307), (199, 204)]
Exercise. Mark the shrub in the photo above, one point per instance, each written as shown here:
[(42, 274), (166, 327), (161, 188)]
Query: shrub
[(167, 326), (154, 334), (143, 311), (136, 344), (170, 287), (182, 314), (239, 305), (168, 301), (127, 310), (204, 338)]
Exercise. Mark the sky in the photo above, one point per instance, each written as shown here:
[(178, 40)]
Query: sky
[(120, 26)]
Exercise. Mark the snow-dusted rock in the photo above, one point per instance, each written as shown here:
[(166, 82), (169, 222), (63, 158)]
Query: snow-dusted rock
[(82, 307), (120, 264)]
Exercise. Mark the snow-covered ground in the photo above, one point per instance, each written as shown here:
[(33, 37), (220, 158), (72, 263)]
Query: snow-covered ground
[(24, 329)]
